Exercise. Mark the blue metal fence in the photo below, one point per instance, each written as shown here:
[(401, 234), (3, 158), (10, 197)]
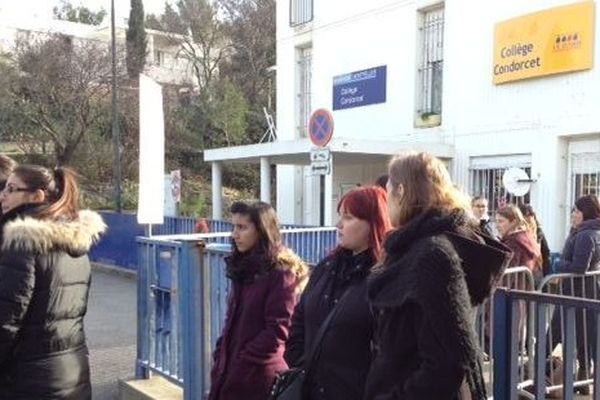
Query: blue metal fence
[(509, 361), (117, 246), (182, 300)]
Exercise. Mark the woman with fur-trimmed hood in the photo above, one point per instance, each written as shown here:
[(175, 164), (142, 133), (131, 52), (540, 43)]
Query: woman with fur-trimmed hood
[(44, 284), (266, 282)]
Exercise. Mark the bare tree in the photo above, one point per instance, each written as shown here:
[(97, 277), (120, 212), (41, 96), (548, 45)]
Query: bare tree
[(204, 42), (59, 88)]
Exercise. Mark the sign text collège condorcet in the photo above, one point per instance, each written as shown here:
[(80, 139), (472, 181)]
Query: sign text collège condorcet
[(552, 41)]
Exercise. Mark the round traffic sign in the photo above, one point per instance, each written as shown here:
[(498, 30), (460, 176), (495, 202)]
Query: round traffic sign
[(320, 127)]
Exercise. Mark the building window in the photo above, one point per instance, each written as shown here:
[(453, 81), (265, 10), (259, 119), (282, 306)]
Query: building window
[(430, 80), (159, 57), (585, 175), (304, 94), (485, 177), (23, 36), (301, 12)]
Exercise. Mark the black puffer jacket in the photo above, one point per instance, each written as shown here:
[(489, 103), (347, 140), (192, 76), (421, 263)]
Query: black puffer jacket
[(44, 284), (581, 252), (437, 270)]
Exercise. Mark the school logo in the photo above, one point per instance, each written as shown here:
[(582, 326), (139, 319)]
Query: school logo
[(567, 41)]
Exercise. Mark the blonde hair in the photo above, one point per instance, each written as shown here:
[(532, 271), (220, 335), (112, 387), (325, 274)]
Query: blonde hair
[(426, 186), (512, 213)]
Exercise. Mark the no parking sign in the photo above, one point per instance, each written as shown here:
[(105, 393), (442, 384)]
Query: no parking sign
[(320, 127)]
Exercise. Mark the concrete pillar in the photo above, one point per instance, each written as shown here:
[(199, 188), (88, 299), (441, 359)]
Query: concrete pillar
[(265, 180), (217, 191)]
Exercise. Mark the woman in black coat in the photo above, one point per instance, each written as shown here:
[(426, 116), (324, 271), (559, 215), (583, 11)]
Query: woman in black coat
[(341, 363), (44, 283), (581, 254), (437, 269)]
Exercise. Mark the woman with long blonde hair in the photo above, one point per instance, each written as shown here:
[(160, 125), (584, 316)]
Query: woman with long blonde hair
[(436, 270)]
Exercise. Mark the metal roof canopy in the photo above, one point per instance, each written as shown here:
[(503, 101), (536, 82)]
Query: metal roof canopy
[(344, 150)]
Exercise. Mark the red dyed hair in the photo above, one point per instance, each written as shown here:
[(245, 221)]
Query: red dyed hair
[(369, 203)]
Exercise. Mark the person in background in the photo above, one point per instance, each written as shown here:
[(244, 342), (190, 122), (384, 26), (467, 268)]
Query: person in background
[(7, 165), (381, 181), (436, 271), (535, 229), (479, 206), (201, 226), (44, 284), (267, 280), (581, 254), (512, 228), (339, 370)]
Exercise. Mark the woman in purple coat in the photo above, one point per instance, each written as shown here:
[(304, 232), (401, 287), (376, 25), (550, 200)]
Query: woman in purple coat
[(266, 281)]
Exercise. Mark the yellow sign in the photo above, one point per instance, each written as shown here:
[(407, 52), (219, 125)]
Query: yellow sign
[(548, 42)]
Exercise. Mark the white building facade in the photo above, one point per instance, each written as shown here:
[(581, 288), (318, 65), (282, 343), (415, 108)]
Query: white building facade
[(434, 91)]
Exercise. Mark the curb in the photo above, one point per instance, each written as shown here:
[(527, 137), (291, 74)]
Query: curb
[(114, 270)]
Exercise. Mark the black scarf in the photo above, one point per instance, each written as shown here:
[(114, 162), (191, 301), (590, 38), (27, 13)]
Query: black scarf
[(248, 265)]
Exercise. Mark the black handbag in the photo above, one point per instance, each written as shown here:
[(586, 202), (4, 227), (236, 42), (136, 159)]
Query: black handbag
[(289, 385)]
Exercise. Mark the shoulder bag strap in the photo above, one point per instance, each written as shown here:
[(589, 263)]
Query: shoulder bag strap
[(323, 328)]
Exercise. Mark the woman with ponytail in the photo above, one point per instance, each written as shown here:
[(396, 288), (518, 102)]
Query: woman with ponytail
[(44, 284)]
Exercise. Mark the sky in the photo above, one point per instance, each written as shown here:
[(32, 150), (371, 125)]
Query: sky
[(43, 8)]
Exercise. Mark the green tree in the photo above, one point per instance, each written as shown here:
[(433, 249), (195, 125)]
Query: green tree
[(136, 40), (65, 11), (153, 22), (250, 28), (169, 21)]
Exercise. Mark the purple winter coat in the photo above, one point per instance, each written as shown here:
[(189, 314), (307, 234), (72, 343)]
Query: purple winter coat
[(249, 352)]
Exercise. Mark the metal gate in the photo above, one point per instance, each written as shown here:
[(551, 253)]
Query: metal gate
[(485, 178)]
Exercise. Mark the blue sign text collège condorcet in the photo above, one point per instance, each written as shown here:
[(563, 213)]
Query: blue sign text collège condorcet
[(360, 88)]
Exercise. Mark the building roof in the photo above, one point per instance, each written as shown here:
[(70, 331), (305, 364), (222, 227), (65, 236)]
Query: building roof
[(344, 151)]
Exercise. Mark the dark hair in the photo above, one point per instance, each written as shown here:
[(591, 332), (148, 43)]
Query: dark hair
[(527, 210), (382, 181), (589, 207), (369, 203), (59, 185), (264, 218), (7, 165)]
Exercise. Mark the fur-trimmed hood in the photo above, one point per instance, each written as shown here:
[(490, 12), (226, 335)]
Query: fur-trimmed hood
[(44, 235), (287, 260)]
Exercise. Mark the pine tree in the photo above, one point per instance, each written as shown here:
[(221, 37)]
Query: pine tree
[(136, 40)]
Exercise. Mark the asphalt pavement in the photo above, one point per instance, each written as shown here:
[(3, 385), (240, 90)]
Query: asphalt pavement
[(110, 326)]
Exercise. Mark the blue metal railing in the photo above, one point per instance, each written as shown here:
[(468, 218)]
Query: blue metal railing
[(115, 247), (182, 300), (508, 361)]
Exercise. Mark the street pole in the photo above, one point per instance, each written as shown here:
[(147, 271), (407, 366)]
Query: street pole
[(115, 118)]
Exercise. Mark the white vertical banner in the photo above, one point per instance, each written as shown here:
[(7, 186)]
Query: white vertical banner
[(152, 153)]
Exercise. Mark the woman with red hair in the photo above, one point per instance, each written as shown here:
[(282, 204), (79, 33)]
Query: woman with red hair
[(339, 363)]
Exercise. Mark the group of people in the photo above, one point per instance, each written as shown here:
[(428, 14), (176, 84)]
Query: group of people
[(519, 229), (388, 314), (44, 283)]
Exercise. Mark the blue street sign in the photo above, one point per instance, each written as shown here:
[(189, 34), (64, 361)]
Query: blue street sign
[(360, 88)]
